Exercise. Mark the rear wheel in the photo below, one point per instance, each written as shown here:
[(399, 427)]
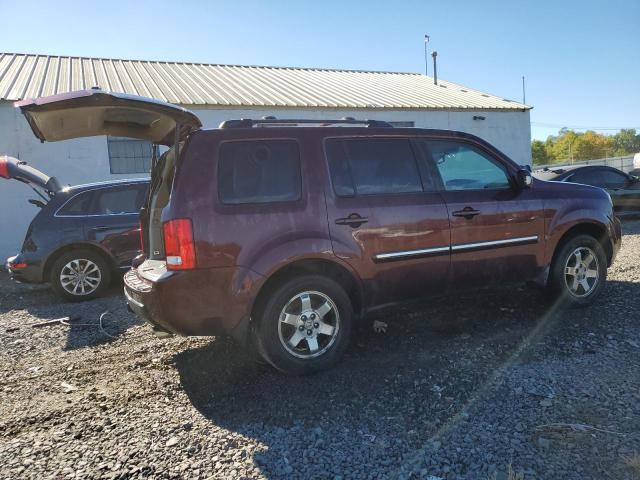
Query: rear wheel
[(305, 325), (80, 275), (579, 271)]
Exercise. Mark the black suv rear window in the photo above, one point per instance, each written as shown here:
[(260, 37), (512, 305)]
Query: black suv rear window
[(373, 166), (259, 171)]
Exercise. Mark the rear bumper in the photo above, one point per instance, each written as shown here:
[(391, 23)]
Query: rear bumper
[(21, 270), (196, 302)]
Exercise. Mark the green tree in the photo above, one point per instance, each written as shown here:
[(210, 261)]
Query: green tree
[(626, 141), (569, 146), (539, 154)]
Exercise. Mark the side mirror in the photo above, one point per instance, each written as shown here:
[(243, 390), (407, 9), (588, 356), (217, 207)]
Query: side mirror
[(524, 178)]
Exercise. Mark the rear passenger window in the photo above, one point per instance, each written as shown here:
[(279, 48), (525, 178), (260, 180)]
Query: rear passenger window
[(262, 171), (373, 167), (78, 205), (118, 200)]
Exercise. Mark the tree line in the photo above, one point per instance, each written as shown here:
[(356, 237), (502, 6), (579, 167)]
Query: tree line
[(568, 146)]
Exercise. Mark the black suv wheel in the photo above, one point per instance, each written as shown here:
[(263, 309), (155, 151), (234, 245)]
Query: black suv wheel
[(80, 275), (579, 271), (305, 325)]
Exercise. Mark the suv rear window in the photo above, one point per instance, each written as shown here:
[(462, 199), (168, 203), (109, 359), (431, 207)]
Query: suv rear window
[(259, 171), (373, 166)]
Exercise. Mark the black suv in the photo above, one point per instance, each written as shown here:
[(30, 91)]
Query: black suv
[(83, 234)]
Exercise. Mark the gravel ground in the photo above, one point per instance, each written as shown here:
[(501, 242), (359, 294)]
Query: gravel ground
[(456, 388)]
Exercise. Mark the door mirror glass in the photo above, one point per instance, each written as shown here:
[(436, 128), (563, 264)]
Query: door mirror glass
[(524, 178)]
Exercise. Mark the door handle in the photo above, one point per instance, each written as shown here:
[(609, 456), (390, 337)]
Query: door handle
[(100, 229), (466, 212), (354, 220)]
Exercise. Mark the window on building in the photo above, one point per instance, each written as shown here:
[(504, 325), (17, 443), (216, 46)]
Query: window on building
[(373, 167), (403, 124), (128, 155), (464, 167), (259, 172)]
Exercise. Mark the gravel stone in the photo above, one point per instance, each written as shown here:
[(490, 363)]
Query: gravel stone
[(458, 387)]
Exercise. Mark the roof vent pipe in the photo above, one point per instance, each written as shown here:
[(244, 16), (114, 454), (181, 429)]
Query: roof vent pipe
[(435, 70)]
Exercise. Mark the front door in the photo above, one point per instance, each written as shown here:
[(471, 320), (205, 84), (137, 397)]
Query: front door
[(496, 227), (386, 218)]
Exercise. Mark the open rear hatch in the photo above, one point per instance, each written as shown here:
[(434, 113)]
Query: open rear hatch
[(13, 169), (86, 113)]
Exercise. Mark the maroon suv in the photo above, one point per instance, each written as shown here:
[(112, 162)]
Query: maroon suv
[(281, 232)]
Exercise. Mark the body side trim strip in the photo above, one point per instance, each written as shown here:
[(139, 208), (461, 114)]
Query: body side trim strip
[(455, 248), (495, 243), (410, 253)]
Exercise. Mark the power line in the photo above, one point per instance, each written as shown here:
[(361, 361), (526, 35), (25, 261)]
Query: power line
[(576, 127)]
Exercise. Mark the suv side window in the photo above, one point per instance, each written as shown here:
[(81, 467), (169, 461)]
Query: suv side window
[(374, 166), (600, 177), (259, 171), (118, 200), (78, 205), (464, 167)]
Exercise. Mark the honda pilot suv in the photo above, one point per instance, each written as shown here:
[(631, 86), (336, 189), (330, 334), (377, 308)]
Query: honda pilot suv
[(282, 232)]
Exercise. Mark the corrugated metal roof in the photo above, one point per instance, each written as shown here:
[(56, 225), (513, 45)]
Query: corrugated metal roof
[(28, 76)]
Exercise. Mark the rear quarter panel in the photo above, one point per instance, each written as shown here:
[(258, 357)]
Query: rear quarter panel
[(258, 237)]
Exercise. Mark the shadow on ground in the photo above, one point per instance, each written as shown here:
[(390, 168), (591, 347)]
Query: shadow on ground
[(392, 391)]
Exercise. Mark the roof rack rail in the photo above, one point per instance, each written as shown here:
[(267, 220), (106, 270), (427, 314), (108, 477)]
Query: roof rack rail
[(274, 122)]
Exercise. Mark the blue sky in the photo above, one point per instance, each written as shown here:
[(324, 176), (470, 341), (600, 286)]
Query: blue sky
[(581, 59)]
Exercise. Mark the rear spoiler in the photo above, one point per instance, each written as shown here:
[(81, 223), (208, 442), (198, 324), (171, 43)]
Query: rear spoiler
[(12, 168)]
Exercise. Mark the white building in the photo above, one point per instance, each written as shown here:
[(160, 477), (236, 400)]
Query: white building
[(221, 92)]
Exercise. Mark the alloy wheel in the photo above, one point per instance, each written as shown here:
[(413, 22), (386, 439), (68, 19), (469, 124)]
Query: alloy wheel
[(581, 272), (80, 277), (308, 324)]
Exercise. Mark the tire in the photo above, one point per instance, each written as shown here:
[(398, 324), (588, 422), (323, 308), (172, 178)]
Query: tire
[(305, 325), (570, 288), (97, 277)]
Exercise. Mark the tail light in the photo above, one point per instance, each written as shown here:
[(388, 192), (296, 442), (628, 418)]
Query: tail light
[(4, 167), (141, 237), (178, 244)]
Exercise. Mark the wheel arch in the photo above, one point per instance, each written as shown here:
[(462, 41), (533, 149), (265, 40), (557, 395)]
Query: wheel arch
[(319, 266), (51, 259), (595, 230)]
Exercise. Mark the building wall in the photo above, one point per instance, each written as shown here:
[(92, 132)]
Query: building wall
[(86, 160)]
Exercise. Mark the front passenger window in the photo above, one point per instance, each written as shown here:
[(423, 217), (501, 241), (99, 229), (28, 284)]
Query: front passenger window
[(464, 167)]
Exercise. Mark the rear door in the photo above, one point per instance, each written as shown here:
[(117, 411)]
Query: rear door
[(112, 220), (386, 218), (496, 228)]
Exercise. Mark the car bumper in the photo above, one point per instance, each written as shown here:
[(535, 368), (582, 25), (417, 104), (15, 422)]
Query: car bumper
[(197, 302), (22, 271)]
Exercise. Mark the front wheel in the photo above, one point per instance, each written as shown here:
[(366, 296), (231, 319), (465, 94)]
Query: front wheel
[(305, 325), (579, 271), (80, 275)]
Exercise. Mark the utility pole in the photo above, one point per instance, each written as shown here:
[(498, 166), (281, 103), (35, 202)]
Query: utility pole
[(426, 56), (524, 97)]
